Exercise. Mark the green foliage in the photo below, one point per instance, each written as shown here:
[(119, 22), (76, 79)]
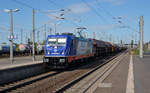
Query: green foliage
[(29, 41), (17, 47), (4, 43), (146, 50), (43, 43), (135, 51)]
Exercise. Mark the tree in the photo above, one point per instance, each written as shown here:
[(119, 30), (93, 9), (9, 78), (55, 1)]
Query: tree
[(43, 43), (4, 43), (29, 41)]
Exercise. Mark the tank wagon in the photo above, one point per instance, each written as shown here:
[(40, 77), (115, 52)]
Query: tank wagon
[(5, 49), (24, 49), (20, 49)]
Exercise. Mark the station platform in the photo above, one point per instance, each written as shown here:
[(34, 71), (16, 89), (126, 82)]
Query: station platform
[(19, 61), (132, 75), (142, 74)]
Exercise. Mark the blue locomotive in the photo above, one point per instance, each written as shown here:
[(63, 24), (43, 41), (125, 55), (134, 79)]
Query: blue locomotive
[(61, 50)]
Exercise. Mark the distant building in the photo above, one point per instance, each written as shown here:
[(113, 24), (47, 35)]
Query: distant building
[(148, 46)]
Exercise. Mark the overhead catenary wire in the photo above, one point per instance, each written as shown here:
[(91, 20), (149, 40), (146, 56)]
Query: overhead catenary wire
[(108, 13), (4, 28), (66, 10), (105, 10), (94, 10), (22, 3), (124, 25), (101, 7), (28, 6), (53, 2), (36, 9)]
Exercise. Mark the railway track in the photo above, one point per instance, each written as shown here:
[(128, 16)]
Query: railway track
[(50, 81), (17, 84), (88, 79)]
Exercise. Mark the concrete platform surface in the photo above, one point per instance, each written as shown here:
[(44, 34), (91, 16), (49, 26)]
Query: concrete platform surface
[(116, 81), (19, 61), (142, 74)]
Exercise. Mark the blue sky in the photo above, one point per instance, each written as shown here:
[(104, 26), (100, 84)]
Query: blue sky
[(96, 15)]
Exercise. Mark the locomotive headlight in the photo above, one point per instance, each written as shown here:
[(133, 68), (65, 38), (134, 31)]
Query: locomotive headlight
[(45, 60), (63, 53), (48, 52), (55, 47)]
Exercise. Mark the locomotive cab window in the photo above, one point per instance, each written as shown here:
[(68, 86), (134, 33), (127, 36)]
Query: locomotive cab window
[(61, 41), (57, 41), (52, 41)]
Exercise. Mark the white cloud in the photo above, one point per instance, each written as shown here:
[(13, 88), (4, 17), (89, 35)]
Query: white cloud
[(79, 8), (113, 2)]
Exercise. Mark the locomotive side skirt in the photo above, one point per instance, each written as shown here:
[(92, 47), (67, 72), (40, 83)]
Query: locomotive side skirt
[(74, 58)]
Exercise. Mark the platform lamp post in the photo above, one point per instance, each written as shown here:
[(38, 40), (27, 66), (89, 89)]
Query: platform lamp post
[(10, 11)]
